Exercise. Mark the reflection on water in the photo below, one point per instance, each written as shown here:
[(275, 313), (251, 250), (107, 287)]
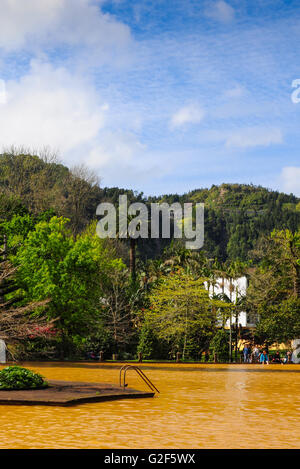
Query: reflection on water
[(218, 406)]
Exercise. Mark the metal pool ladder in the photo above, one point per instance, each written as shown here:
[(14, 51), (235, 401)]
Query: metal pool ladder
[(142, 375)]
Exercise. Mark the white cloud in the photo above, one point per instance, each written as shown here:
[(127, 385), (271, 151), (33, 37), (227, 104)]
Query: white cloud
[(187, 115), (21, 20), (235, 92), (290, 177), (121, 159), (255, 136), (113, 149), (26, 23), (235, 77), (220, 11), (49, 106)]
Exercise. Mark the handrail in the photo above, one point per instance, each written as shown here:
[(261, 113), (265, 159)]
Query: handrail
[(142, 375)]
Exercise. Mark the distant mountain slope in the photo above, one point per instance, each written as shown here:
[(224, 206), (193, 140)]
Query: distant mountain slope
[(236, 215)]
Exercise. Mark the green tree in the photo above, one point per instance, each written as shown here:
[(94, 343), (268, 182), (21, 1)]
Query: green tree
[(180, 307), (150, 346), (120, 298), (52, 264), (16, 321), (219, 345), (280, 322), (274, 291)]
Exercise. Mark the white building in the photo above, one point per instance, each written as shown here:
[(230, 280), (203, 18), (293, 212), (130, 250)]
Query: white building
[(233, 289)]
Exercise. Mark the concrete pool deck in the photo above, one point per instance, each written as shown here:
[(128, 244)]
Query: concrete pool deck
[(67, 393)]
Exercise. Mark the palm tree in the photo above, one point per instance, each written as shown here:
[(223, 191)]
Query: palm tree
[(221, 271), (132, 258), (234, 270), (132, 244)]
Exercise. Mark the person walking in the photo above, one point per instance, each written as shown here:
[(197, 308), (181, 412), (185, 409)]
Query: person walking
[(246, 352), (255, 354)]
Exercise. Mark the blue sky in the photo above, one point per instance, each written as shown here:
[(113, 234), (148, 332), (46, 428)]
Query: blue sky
[(158, 96)]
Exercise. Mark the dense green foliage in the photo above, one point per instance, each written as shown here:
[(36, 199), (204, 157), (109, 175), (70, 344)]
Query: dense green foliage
[(236, 215), (17, 378), (274, 291), (182, 313), (219, 345), (150, 345), (65, 293)]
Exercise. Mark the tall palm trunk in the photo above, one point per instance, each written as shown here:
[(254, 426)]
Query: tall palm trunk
[(132, 259), (236, 324), (185, 334), (236, 335), (230, 323), (223, 293)]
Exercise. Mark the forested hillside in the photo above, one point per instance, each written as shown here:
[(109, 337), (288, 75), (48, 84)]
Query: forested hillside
[(236, 215), (65, 292)]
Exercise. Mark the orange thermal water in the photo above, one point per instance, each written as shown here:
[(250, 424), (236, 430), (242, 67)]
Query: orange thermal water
[(214, 406)]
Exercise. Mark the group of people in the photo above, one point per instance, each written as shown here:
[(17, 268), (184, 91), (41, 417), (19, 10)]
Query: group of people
[(91, 356), (255, 355)]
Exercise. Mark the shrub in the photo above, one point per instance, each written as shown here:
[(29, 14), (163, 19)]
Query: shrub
[(16, 377), (149, 345), (220, 345)]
